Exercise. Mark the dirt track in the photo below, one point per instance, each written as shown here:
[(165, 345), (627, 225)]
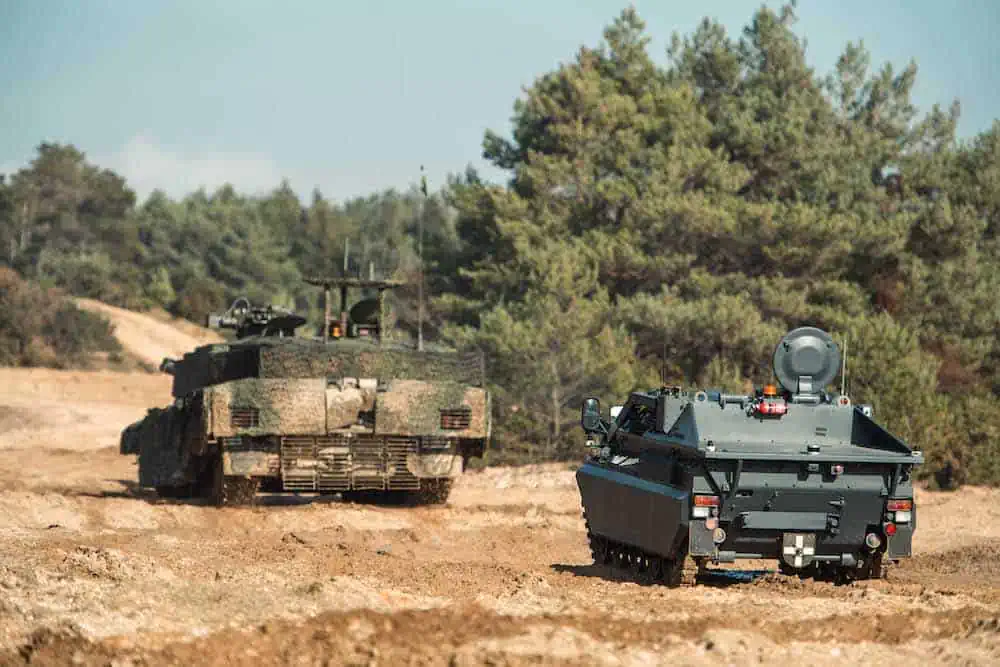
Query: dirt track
[(93, 570)]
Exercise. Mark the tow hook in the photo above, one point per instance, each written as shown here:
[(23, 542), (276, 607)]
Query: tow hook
[(833, 524)]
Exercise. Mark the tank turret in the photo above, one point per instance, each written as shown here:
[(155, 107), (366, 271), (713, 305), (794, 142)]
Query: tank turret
[(365, 319)]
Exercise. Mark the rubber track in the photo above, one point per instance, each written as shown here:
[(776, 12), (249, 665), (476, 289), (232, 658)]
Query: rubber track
[(644, 567)]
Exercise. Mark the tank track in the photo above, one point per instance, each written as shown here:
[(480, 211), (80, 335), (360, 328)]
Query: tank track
[(236, 491), (432, 492), (643, 566), (228, 490)]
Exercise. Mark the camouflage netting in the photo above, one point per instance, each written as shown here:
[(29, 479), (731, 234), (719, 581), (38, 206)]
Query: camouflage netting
[(163, 440), (281, 406), (299, 358)]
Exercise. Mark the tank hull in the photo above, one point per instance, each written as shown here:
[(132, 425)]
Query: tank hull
[(820, 488), (318, 434), (774, 504)]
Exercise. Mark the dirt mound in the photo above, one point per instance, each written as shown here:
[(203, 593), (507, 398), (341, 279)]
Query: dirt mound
[(152, 336), (470, 635)]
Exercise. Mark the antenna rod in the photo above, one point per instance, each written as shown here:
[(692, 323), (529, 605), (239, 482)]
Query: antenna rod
[(326, 313), (420, 255), (843, 369), (663, 365), (343, 290)]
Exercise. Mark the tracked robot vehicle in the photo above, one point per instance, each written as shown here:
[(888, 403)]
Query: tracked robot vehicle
[(349, 412), (789, 473)]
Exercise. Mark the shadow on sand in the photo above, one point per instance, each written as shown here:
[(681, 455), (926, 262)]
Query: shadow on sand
[(714, 578), (130, 489)]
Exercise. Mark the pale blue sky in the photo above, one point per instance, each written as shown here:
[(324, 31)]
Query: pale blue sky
[(354, 96)]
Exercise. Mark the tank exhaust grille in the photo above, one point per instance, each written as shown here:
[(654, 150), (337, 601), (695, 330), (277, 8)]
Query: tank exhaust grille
[(456, 419), (242, 417)]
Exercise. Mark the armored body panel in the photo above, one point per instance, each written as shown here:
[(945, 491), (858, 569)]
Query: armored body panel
[(283, 413), (798, 475), (293, 358)]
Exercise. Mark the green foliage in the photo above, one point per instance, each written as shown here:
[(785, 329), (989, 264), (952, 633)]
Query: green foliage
[(735, 194), (660, 223), (552, 348), (41, 327)]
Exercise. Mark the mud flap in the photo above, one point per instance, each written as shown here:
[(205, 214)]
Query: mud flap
[(700, 542), (798, 549), (900, 544)]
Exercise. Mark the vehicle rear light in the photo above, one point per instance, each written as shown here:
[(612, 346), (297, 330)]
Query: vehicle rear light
[(899, 505), (772, 408), (706, 501), (902, 517), (702, 506), (890, 529)]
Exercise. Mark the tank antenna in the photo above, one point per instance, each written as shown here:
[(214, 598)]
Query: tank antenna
[(420, 255), (663, 365), (843, 369)]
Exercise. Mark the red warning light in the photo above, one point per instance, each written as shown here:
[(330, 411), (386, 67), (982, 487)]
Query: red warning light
[(772, 408)]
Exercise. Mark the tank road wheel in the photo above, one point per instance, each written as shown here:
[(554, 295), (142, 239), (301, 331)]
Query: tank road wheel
[(643, 568), (432, 492)]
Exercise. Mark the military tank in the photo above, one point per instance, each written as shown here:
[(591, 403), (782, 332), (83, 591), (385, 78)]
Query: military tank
[(791, 473), (347, 412)]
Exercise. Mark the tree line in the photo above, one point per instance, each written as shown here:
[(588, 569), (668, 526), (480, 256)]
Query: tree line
[(661, 224)]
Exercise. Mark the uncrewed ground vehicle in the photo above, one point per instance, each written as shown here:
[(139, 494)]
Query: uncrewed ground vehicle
[(349, 412), (790, 473)]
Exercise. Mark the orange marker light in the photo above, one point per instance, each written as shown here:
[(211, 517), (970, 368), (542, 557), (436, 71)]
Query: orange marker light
[(770, 390)]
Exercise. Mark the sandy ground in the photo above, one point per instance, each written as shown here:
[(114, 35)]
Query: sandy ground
[(94, 571)]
